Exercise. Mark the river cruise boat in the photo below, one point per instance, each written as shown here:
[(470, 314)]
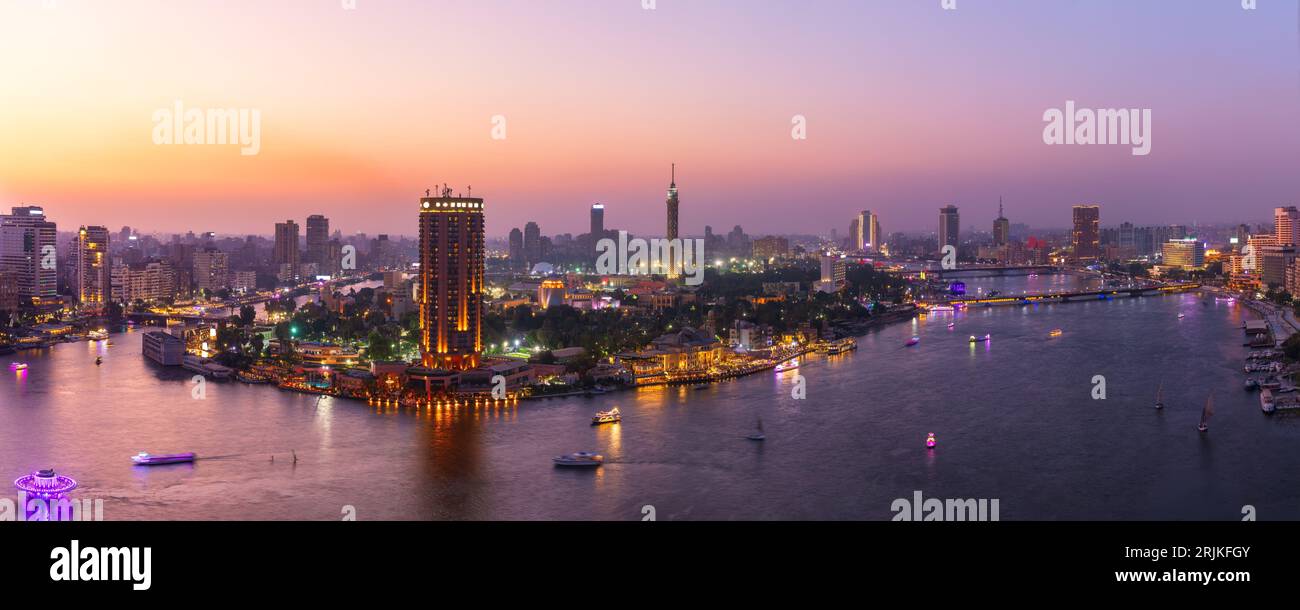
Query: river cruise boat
[(607, 417), (839, 346)]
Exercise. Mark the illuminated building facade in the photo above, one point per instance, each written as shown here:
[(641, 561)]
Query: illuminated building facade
[(94, 269), (451, 281), (1086, 233), (28, 250)]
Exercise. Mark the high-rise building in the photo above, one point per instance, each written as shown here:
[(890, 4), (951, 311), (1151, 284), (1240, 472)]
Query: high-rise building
[(211, 270), (672, 203), (28, 250), (147, 281), (318, 237), (597, 222), (1186, 253), (517, 259), (532, 244), (451, 281), (94, 269), (1085, 236), (1001, 227), (1286, 226), (949, 223), (771, 247), (286, 250), (833, 273), (868, 234)]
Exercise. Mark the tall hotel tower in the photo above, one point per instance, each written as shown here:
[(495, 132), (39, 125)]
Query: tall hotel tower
[(949, 227), (672, 222), (93, 269), (451, 281)]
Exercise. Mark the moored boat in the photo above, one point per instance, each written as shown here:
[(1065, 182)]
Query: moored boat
[(1266, 402)]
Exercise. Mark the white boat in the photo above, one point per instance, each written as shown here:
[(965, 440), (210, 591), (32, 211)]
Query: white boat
[(1266, 402), (98, 335), (580, 459), (145, 459)]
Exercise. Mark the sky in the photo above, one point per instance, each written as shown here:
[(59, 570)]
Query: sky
[(908, 107)]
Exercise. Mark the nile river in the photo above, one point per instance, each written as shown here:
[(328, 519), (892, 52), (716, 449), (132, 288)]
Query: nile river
[(1015, 419)]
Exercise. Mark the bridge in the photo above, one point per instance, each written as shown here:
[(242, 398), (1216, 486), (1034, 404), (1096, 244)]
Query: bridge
[(1077, 295), (985, 270)]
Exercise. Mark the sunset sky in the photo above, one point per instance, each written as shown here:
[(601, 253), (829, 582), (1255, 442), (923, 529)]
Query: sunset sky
[(909, 107)]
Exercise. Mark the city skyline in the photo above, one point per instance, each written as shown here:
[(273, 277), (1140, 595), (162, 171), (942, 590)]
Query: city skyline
[(357, 151)]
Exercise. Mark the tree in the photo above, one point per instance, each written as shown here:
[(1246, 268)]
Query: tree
[(380, 346), (247, 315)]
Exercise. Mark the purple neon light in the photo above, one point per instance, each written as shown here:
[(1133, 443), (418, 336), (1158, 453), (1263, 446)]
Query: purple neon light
[(45, 484)]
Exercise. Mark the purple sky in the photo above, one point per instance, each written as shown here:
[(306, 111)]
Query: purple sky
[(909, 107)]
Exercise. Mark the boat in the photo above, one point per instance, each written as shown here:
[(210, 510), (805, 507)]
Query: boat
[(839, 346), (913, 341), (974, 339), (930, 441), (99, 360), (145, 459), (1266, 402), (97, 335), (585, 459), (1181, 316), (607, 417), (700, 386), (1206, 413), (17, 366), (758, 433), (1056, 332), (1252, 384), (788, 365), (951, 325), (1160, 396), (248, 378)]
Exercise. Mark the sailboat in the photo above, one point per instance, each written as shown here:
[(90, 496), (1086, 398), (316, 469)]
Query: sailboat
[(1206, 414), (1160, 395), (758, 434)]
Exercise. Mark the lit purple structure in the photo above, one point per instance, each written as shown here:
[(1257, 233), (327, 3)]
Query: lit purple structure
[(45, 484)]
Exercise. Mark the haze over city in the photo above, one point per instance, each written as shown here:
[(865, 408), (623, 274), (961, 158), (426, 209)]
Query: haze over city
[(908, 108)]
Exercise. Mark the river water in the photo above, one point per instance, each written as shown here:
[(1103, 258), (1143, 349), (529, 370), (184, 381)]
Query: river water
[(1015, 418)]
